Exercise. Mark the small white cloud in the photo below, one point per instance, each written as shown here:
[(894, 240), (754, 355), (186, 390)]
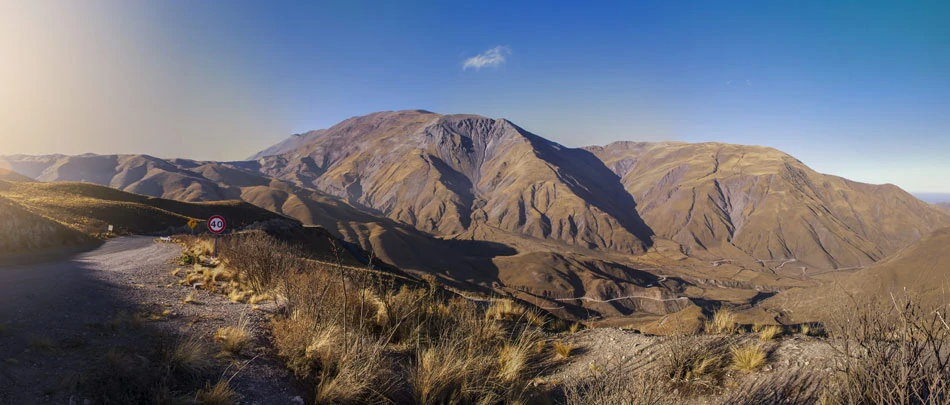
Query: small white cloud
[(493, 57), (748, 83)]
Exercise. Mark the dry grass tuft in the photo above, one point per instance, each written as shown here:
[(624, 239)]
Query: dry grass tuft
[(189, 356), (770, 332), (563, 350), (749, 357), (575, 327), (191, 298), (238, 296), (723, 322), (505, 309), (259, 298), (218, 394), (234, 339)]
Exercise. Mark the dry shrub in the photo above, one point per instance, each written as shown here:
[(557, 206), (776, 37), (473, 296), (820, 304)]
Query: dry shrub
[(891, 350), (259, 259), (778, 388), (691, 359), (723, 322), (617, 385)]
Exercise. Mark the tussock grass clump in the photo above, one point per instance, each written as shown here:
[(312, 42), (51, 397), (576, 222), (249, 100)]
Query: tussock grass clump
[(562, 349), (748, 357), (157, 371), (188, 356), (723, 322), (505, 309), (218, 394), (234, 339), (770, 332)]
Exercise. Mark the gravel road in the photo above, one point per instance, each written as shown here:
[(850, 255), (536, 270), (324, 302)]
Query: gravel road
[(54, 309)]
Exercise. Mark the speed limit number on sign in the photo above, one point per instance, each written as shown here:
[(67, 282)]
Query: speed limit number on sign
[(216, 224)]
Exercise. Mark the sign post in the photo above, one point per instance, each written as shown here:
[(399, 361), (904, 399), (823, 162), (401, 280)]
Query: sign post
[(216, 224), (192, 223)]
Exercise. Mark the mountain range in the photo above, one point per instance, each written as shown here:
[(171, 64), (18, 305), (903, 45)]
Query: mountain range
[(489, 206)]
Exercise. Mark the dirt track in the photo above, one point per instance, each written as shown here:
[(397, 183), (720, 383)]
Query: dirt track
[(55, 313)]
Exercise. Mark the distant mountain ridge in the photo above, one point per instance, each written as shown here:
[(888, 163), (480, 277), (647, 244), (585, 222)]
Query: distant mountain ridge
[(483, 202)]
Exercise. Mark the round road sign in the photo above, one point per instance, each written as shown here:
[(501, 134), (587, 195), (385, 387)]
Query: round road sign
[(216, 224)]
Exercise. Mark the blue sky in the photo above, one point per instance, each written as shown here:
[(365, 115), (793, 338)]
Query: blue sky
[(857, 88)]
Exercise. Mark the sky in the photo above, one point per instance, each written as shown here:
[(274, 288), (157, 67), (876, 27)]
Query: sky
[(858, 89)]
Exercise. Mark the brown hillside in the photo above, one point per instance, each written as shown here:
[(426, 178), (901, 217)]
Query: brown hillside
[(922, 270), (452, 174), (89, 208), (759, 205)]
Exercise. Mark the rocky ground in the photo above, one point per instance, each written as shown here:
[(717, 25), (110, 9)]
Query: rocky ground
[(796, 359)]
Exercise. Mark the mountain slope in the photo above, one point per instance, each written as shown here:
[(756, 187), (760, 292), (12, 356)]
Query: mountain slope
[(452, 174), (13, 176), (921, 271), (294, 142), (760, 205)]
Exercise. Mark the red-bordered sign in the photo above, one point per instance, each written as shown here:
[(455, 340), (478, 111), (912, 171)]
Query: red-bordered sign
[(216, 224)]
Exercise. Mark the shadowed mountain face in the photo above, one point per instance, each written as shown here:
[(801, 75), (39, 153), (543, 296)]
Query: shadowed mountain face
[(729, 201), (621, 229)]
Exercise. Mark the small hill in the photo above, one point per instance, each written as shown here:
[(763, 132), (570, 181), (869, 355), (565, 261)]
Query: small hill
[(9, 175), (921, 270), (944, 205), (24, 231), (79, 212)]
